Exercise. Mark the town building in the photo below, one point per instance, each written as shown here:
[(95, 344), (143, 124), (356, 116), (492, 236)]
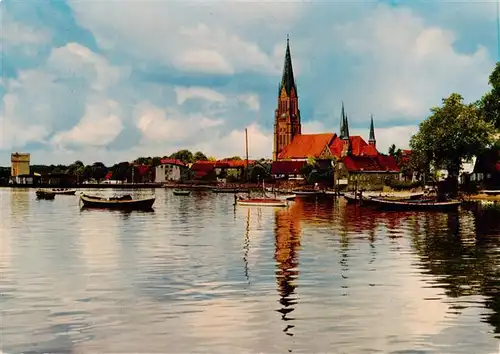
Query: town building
[(20, 169), (171, 170), (353, 159)]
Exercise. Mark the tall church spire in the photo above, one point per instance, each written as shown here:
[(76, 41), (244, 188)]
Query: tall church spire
[(344, 124), (371, 139), (287, 114), (288, 81)]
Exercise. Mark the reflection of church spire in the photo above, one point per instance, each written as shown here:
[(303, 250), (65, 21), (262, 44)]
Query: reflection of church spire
[(286, 254), (246, 245)]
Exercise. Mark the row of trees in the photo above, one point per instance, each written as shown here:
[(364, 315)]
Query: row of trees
[(120, 171), (457, 131)]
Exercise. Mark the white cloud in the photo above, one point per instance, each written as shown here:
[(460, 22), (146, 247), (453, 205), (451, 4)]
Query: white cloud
[(100, 125), (74, 59), (198, 43), (171, 126), (260, 144), (186, 93), (405, 67), (251, 100), (19, 35)]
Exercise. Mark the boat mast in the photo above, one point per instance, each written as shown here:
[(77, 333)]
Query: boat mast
[(246, 151)]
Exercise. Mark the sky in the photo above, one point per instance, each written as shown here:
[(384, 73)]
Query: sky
[(115, 80)]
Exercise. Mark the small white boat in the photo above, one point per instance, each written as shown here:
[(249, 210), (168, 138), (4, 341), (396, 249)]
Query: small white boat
[(269, 202)]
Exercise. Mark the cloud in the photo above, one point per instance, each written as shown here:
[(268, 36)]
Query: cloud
[(404, 66), (103, 115), (186, 93), (174, 81)]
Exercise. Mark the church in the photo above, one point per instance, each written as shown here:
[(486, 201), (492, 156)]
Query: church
[(355, 161)]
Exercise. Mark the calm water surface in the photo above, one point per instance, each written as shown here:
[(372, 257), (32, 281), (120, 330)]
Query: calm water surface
[(197, 275)]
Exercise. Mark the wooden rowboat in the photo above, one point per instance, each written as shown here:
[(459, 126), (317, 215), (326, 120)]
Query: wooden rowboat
[(63, 191), (45, 194), (125, 202), (416, 204), (181, 192), (270, 202)]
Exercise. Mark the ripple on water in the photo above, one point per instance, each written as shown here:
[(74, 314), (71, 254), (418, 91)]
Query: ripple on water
[(197, 273)]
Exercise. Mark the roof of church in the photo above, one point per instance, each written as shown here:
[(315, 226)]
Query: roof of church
[(359, 147), (306, 145)]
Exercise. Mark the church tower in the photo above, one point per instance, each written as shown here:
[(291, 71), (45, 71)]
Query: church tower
[(344, 133), (287, 114), (371, 139)]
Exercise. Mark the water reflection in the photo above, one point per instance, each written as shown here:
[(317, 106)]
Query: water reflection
[(287, 243), (198, 273), (464, 267)]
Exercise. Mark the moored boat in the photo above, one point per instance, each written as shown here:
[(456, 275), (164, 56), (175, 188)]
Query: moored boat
[(63, 191), (270, 202), (306, 192), (416, 204), (181, 192), (45, 194), (123, 202)]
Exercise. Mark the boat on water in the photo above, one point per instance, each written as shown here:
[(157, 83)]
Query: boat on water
[(366, 197), (306, 192), (424, 204), (123, 202), (181, 192), (270, 202), (492, 192), (63, 191), (45, 194)]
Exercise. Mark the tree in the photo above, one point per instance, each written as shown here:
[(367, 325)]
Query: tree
[(184, 155), (234, 158), (76, 169), (452, 134), (490, 102), (99, 171), (199, 156)]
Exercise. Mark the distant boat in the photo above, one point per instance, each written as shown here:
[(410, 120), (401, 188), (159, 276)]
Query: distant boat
[(492, 192), (306, 192), (63, 191), (45, 194), (181, 192), (270, 202), (124, 202), (415, 204)]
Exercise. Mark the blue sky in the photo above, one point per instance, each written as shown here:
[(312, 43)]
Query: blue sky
[(114, 80)]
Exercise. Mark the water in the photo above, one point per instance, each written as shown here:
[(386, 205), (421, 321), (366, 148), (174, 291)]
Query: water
[(196, 275)]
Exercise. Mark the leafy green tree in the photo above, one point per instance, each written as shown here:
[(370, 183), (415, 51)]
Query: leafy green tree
[(452, 134), (490, 102), (98, 171), (199, 156), (235, 158), (184, 155)]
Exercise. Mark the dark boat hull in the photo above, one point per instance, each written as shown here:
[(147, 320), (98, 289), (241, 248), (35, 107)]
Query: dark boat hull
[(64, 192), (182, 192), (45, 195), (142, 204), (415, 205)]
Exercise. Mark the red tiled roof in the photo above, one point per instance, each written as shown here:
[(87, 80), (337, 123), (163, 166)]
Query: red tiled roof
[(287, 167), (380, 163), (108, 175), (306, 145), (359, 147), (233, 163), (172, 162), (202, 168)]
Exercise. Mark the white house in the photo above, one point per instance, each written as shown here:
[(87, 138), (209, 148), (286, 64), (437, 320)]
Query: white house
[(170, 170)]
